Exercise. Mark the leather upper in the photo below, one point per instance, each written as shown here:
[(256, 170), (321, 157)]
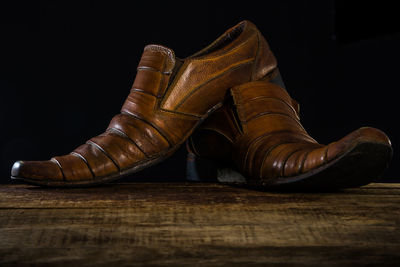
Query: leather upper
[(168, 99), (260, 132)]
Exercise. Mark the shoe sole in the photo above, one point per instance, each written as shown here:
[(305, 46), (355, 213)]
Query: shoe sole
[(360, 165)]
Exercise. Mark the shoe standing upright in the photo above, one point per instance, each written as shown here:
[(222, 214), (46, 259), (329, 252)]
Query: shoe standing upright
[(170, 97)]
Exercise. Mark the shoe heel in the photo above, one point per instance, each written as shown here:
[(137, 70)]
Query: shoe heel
[(200, 170), (204, 170)]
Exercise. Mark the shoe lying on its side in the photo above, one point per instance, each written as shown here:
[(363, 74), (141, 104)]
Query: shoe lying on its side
[(170, 97), (261, 134)]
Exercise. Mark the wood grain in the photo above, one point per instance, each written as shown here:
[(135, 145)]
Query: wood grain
[(192, 224)]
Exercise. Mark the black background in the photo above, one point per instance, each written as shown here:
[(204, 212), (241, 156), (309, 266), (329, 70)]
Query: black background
[(66, 69)]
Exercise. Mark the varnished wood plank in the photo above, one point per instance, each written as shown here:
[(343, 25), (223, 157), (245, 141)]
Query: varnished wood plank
[(26, 196), (196, 224)]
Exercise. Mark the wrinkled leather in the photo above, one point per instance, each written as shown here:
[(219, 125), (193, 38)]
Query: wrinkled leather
[(168, 99), (260, 132)]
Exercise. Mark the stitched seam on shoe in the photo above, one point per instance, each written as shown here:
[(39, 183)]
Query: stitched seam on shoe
[(269, 113), (104, 152), (154, 69), (326, 154), (195, 89), (174, 112), (269, 151), (143, 92), (84, 160), (241, 111), (59, 166), (149, 123), (271, 97), (125, 136), (233, 121), (161, 83), (279, 114), (241, 114), (259, 138), (282, 114), (304, 160), (287, 158)]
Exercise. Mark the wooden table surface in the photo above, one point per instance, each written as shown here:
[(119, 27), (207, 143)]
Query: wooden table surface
[(198, 224)]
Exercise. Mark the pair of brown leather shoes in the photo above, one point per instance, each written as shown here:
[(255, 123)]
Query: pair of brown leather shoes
[(259, 131)]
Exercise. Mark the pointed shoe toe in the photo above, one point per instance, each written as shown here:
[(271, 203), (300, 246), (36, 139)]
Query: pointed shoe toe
[(357, 159), (41, 172), (269, 146), (170, 97)]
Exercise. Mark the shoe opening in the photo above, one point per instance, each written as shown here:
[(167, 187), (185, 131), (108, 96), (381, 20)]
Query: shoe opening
[(223, 40)]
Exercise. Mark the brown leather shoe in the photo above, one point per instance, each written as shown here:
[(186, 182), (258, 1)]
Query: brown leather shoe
[(260, 133), (170, 97)]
